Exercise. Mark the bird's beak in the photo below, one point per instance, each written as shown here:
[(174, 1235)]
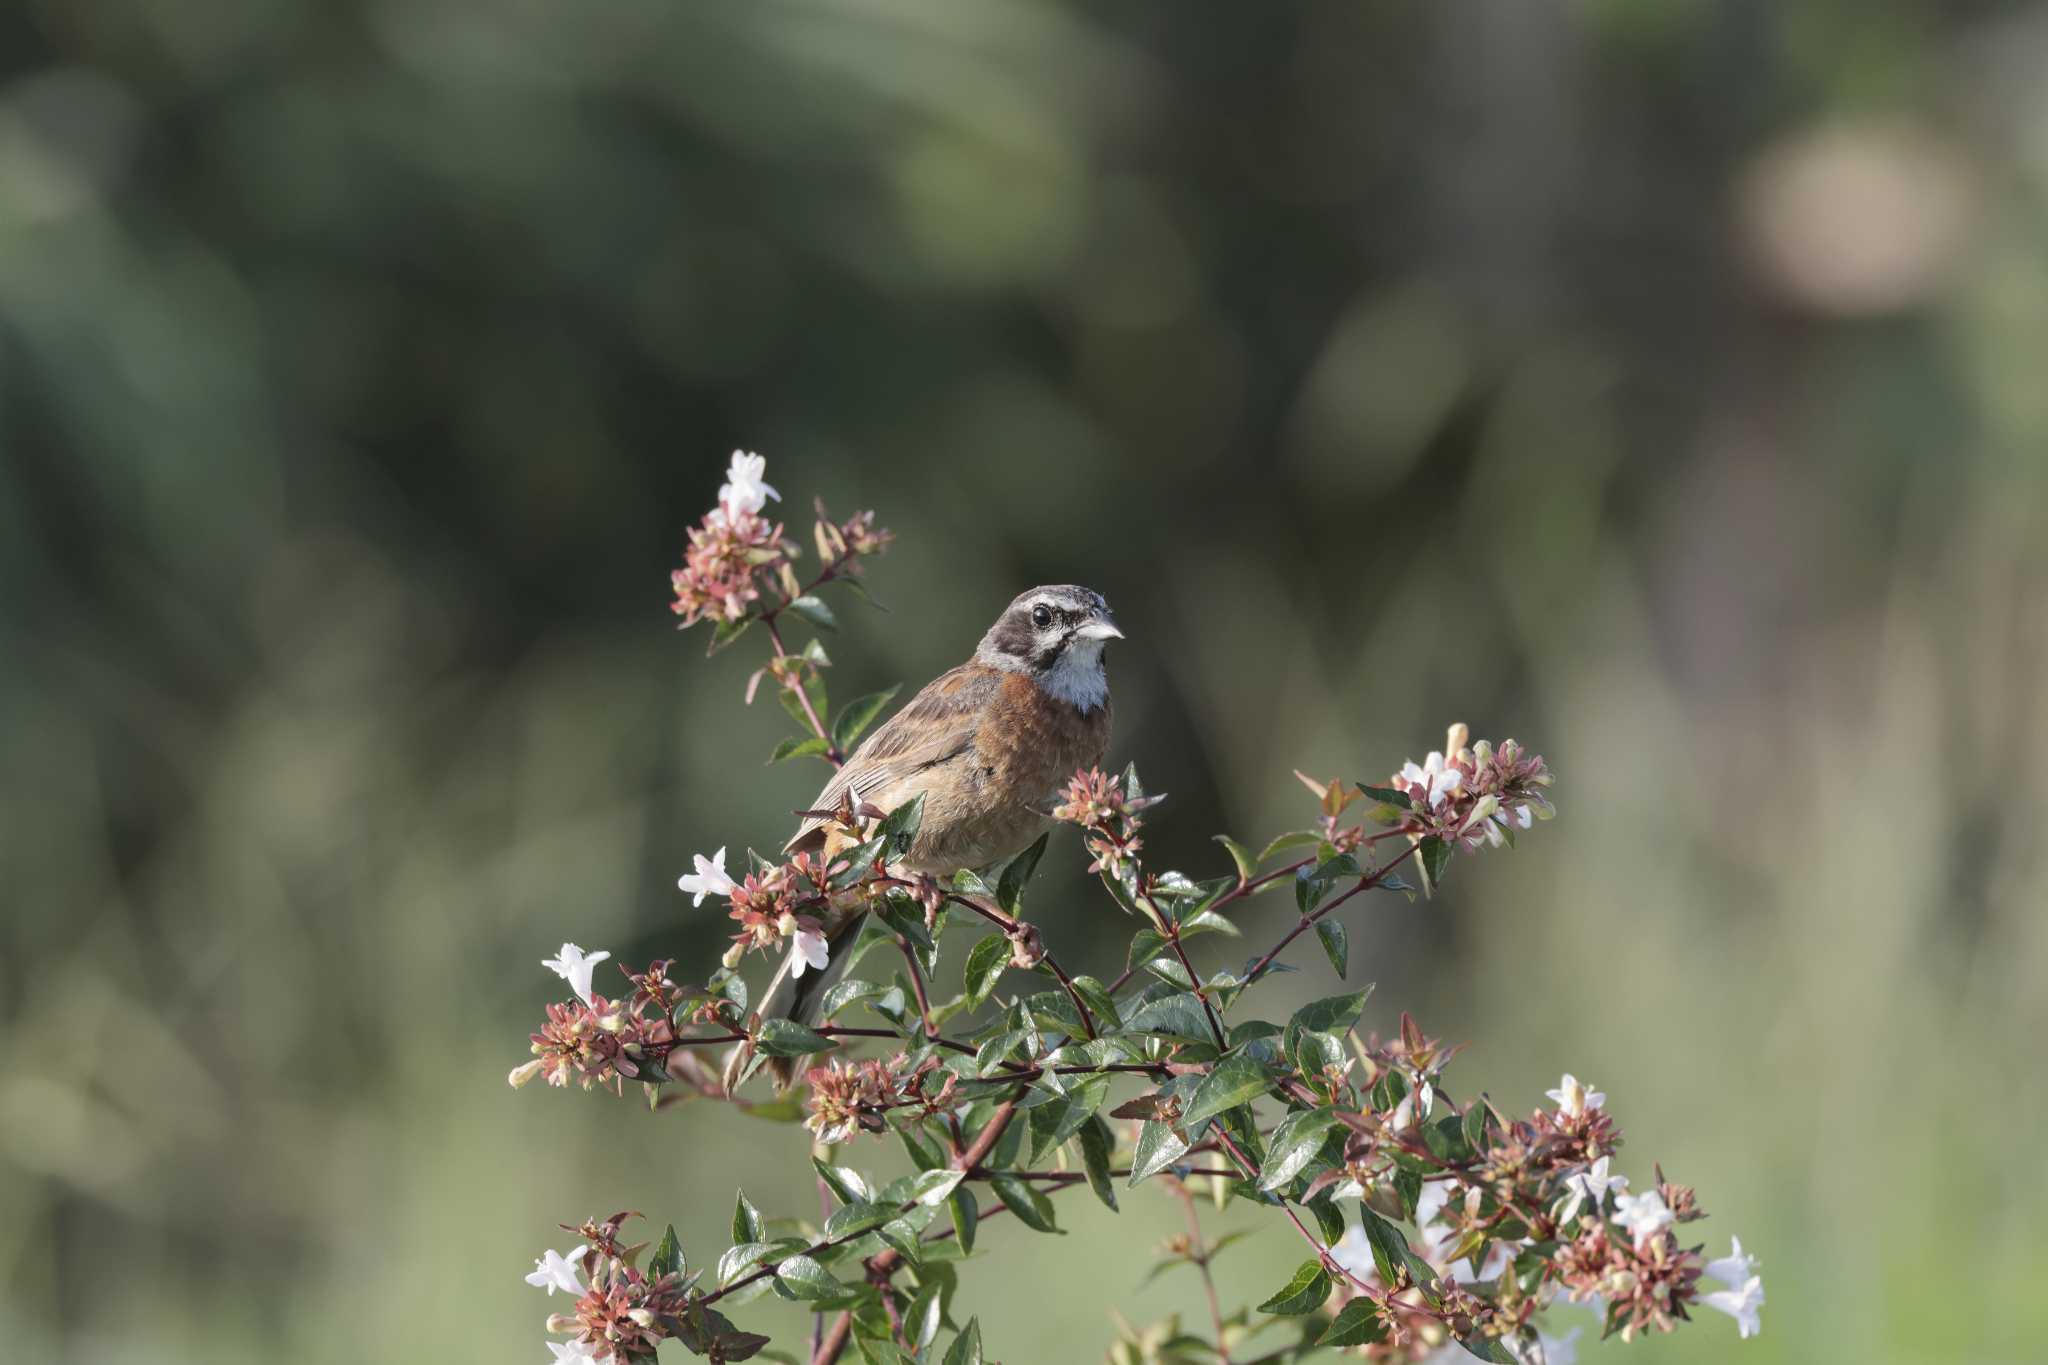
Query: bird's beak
[(1101, 628)]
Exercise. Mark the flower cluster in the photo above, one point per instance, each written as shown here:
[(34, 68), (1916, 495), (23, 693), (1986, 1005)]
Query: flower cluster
[(593, 1040), (769, 905), (624, 1313), (1097, 802), (846, 1099), (733, 550), (1472, 794), (737, 556)]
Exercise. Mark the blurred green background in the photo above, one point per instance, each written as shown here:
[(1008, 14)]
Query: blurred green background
[(1658, 381)]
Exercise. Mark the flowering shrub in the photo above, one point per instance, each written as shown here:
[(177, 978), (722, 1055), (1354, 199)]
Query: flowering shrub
[(1427, 1224)]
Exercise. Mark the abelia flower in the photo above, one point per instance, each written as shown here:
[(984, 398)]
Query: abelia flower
[(744, 492), (576, 1352), (1734, 1269), (1644, 1215), (575, 968), (1590, 1185), (807, 948), (709, 879), (1744, 1303), (1573, 1097), (555, 1271)]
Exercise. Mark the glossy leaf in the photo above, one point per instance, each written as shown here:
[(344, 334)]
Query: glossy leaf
[(1010, 887), (1359, 1324), (813, 609), (1336, 946), (803, 1277), (1159, 1146), (1304, 1293), (746, 1220), (798, 746), (1294, 1144), (788, 1038), (1231, 1082), (1097, 1142), (858, 715), (1332, 1014), (965, 1216), (985, 963), (966, 1348), (668, 1256), (1032, 1209)]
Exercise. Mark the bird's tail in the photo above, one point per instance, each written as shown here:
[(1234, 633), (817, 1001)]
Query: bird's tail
[(790, 996)]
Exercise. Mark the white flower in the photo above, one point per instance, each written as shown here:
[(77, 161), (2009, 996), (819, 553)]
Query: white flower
[(1573, 1098), (555, 1271), (1734, 1268), (1745, 1305), (1644, 1215), (807, 949), (708, 880), (574, 1352), (1593, 1183), (1437, 778), (743, 491), (573, 967)]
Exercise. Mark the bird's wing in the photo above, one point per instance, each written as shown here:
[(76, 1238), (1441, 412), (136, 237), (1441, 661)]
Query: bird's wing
[(935, 726)]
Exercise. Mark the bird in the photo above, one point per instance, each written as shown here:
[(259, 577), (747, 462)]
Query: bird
[(988, 744)]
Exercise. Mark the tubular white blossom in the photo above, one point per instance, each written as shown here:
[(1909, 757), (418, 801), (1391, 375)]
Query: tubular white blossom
[(1744, 1304), (575, 967), (807, 949), (1735, 1268), (709, 879), (555, 1271), (1644, 1215)]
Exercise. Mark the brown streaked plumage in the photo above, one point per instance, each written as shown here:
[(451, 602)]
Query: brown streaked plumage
[(989, 745)]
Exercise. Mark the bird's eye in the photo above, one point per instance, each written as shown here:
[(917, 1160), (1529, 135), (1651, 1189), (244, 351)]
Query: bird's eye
[(1041, 616)]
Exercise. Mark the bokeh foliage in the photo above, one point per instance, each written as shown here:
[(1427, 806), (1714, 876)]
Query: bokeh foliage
[(1659, 382)]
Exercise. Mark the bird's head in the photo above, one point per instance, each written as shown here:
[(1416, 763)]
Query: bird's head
[(1056, 633)]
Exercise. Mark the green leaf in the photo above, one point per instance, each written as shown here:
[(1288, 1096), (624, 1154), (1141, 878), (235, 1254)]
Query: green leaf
[(1358, 1325), (1335, 944), (847, 992), (1247, 864), (1177, 1016), (1096, 996), (932, 1187), (813, 609), (788, 1038), (1010, 887), (1231, 1082), (966, 1348), (1294, 1144), (985, 963), (1305, 1293), (806, 1279), (1475, 1124), (850, 1185), (1096, 1144), (1390, 795), (1052, 1124), (1434, 855), (1292, 839), (901, 824), (858, 715), (965, 1216), (857, 1217), (1159, 1146), (921, 1323), (668, 1257), (1331, 1014), (1033, 1209), (797, 746), (901, 1236), (746, 1220), (739, 1260), (725, 632), (1489, 1348)]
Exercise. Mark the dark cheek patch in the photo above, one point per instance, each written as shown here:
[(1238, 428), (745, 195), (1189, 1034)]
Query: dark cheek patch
[(1014, 636)]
